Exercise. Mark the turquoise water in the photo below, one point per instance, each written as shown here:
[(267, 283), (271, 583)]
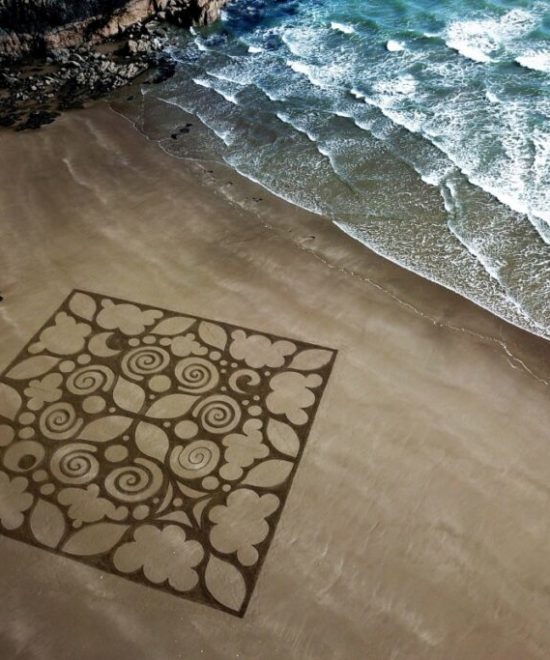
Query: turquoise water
[(420, 127)]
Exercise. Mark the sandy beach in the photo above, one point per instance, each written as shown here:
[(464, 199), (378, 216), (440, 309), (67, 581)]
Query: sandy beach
[(417, 523)]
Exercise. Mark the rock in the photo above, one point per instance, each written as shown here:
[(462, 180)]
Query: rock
[(28, 28), (37, 119), (63, 38)]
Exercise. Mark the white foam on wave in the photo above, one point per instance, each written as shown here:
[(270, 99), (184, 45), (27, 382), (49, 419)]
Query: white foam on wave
[(240, 73), (323, 150), (480, 39), (342, 27), (411, 121), (475, 245), (471, 39), (470, 52), (302, 203), (380, 131), (228, 96), (302, 41), (360, 96), (395, 46), (537, 60), (271, 95), (436, 175), (299, 67), (323, 77), (254, 50), (312, 56), (227, 136), (389, 94), (287, 119), (200, 45), (492, 268), (404, 85), (224, 136)]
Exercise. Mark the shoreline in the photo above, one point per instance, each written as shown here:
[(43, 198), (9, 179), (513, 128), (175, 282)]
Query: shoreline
[(416, 525), (376, 269)]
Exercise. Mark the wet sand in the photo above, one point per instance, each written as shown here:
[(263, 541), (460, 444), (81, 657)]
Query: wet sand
[(417, 525)]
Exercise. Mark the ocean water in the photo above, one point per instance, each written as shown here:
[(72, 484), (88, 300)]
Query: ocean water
[(420, 127)]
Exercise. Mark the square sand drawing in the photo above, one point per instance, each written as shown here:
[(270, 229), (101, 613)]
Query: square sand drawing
[(154, 445)]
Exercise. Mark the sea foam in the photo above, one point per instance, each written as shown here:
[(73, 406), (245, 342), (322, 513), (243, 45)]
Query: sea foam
[(480, 39), (300, 67), (537, 60), (342, 27), (395, 46)]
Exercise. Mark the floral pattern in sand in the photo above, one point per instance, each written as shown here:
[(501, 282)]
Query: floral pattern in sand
[(154, 445)]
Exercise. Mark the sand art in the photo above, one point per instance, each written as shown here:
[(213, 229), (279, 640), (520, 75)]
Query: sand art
[(154, 445)]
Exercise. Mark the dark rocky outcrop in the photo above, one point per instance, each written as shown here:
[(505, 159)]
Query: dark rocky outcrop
[(56, 54), (37, 26)]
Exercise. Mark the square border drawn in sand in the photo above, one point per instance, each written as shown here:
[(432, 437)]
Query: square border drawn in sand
[(155, 445)]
